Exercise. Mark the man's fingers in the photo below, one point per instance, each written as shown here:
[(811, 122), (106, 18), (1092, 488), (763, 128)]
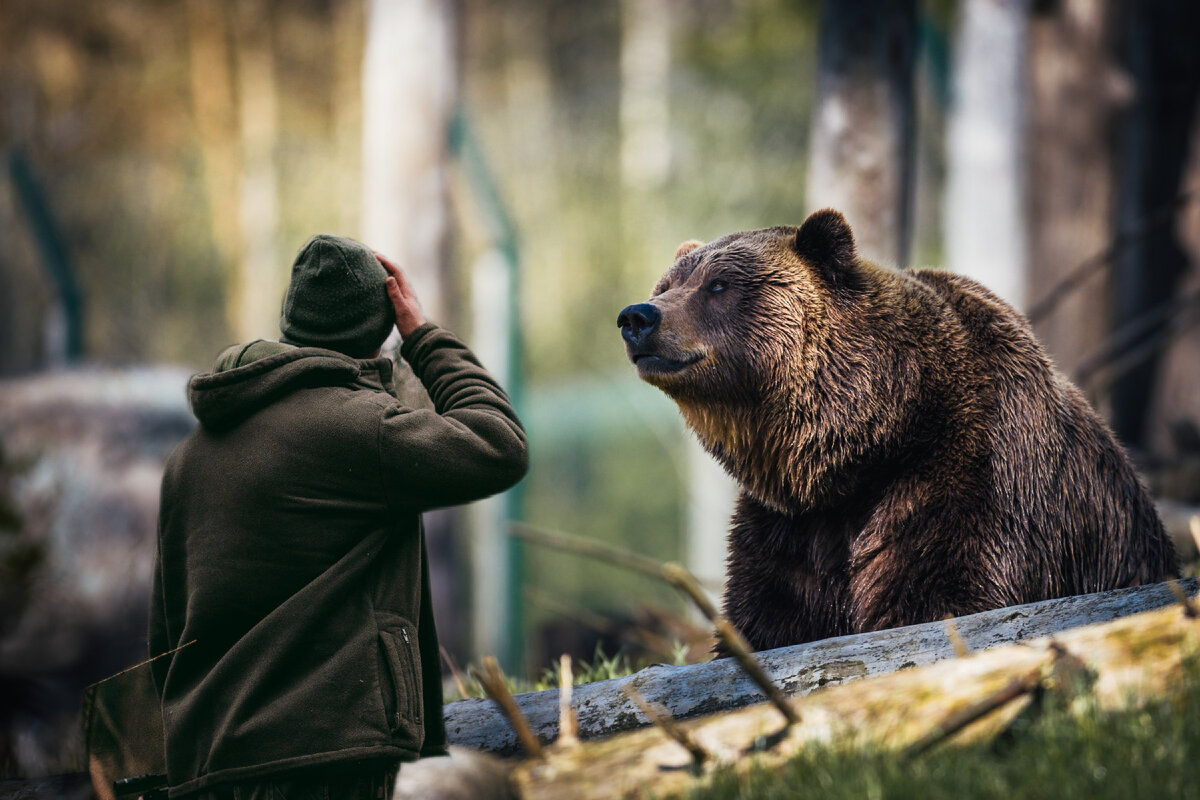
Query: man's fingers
[(390, 267)]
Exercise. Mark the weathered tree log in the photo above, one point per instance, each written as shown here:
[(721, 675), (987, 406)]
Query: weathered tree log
[(1133, 659), (689, 691)]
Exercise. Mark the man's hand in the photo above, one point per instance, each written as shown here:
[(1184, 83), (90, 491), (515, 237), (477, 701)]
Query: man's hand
[(408, 312)]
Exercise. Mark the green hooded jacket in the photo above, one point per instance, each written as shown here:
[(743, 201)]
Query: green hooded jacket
[(291, 570)]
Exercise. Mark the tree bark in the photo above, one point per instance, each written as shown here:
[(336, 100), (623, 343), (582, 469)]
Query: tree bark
[(985, 234), (410, 89), (259, 273), (1075, 90), (603, 708), (216, 125), (862, 138), (1135, 660), (1158, 49)]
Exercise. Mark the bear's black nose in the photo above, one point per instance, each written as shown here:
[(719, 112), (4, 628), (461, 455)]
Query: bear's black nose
[(638, 321)]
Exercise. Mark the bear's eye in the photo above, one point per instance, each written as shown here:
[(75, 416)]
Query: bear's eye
[(717, 286)]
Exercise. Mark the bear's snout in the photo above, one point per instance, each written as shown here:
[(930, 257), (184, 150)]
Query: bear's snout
[(638, 321)]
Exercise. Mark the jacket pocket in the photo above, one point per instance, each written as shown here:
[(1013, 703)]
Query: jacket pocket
[(402, 682)]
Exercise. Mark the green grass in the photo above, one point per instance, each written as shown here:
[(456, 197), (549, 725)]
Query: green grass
[(1082, 752), (600, 668)]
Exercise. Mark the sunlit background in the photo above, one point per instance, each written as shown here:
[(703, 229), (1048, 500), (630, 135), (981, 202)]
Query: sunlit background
[(533, 164)]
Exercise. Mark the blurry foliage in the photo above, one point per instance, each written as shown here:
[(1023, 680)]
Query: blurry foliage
[(744, 92), (543, 82), (600, 667), (101, 96), (626, 491)]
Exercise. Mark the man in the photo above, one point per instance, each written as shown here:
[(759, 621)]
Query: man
[(291, 579)]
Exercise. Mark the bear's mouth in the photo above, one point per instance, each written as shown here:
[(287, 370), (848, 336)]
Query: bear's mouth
[(656, 364)]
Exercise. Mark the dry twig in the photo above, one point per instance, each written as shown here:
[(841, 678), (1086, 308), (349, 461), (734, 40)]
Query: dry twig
[(737, 646), (1189, 606), (663, 719), (568, 723), (680, 578), (956, 641), (960, 719), (460, 680), (492, 679), (1162, 215)]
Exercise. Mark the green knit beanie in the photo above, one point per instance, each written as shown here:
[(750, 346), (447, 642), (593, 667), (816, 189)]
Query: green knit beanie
[(336, 298)]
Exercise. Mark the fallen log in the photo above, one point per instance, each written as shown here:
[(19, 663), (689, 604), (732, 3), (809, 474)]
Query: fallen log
[(604, 708), (1127, 661)]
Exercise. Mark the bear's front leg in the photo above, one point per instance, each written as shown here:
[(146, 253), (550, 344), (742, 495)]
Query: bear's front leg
[(932, 565), (787, 576)]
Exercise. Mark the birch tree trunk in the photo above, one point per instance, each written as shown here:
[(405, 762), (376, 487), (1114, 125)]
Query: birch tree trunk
[(409, 92), (410, 74), (349, 37), (646, 44), (259, 272), (215, 115), (985, 231), (862, 139)]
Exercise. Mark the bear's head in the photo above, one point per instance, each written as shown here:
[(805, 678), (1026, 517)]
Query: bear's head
[(771, 344)]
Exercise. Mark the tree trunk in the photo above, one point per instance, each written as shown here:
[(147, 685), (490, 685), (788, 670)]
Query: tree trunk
[(349, 37), (216, 125), (604, 709), (863, 123), (1159, 51), (985, 234), (1075, 90), (258, 271), (1135, 660), (410, 88)]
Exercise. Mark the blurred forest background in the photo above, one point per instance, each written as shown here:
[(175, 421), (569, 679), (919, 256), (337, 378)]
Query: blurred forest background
[(533, 165)]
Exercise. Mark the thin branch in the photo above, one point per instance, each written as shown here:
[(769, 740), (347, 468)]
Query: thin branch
[(680, 578), (663, 719), (492, 679), (589, 548), (1141, 353), (460, 680), (1128, 342), (960, 719), (1089, 266), (568, 723), (1189, 606), (731, 638), (956, 641)]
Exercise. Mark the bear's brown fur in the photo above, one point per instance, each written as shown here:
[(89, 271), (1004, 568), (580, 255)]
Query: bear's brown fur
[(904, 447)]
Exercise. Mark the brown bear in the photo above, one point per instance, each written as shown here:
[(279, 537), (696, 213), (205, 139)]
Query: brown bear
[(905, 449)]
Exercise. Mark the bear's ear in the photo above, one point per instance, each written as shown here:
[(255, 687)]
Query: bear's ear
[(825, 241), (686, 247)]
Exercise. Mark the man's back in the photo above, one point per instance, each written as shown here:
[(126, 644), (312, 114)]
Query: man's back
[(291, 560)]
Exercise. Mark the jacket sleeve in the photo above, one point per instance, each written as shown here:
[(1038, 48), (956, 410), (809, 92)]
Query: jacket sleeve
[(470, 446)]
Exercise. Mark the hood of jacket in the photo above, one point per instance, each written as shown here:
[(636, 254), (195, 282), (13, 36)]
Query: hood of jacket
[(248, 378)]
